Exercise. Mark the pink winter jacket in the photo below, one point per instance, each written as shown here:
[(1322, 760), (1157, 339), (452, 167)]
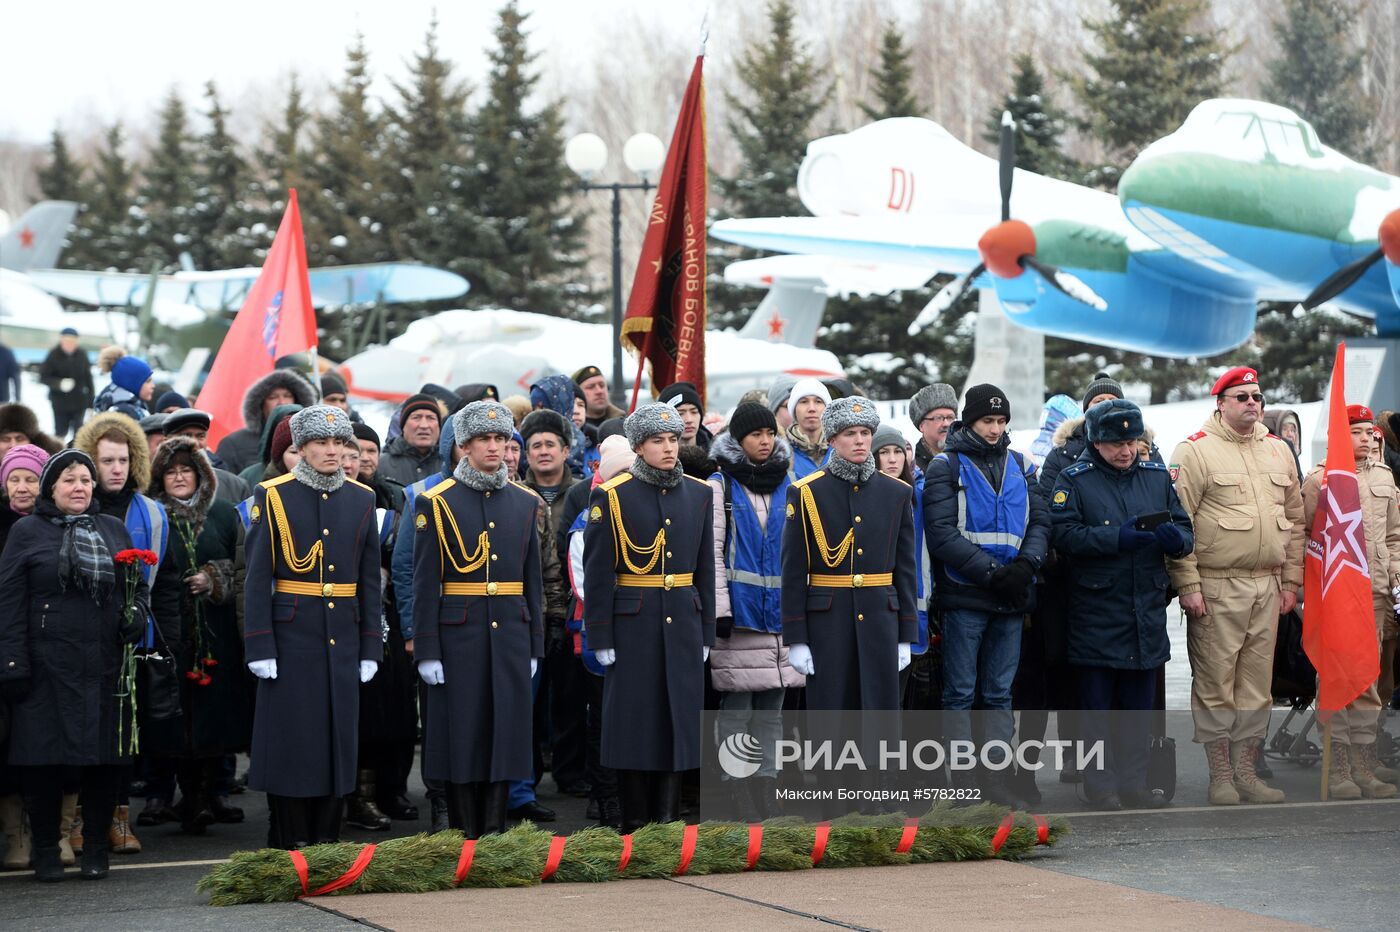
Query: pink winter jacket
[(747, 661)]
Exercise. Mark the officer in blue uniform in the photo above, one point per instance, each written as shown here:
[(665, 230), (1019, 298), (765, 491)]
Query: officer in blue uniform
[(850, 603), (478, 622), (649, 611), (312, 608)]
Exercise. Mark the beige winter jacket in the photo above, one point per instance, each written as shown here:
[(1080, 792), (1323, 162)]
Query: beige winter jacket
[(1243, 498)]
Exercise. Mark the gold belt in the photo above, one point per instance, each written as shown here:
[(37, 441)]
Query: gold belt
[(483, 588), (858, 581), (655, 580), (321, 590)]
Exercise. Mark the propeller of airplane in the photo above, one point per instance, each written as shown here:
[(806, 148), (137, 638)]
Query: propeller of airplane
[(1007, 249), (1350, 274)]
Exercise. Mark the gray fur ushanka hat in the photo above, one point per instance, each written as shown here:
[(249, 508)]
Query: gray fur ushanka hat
[(320, 422), (482, 417), (843, 413), (649, 420)]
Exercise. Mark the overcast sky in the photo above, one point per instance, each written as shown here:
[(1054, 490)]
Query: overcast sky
[(78, 62)]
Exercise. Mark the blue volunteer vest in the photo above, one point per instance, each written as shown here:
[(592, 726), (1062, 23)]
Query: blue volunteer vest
[(925, 580), (753, 562), (994, 521), (149, 530)]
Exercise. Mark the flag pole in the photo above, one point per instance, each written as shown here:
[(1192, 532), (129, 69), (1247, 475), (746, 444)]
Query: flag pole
[(1326, 756), (641, 362)]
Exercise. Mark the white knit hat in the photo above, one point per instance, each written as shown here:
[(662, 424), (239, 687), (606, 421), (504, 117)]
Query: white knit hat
[(802, 389)]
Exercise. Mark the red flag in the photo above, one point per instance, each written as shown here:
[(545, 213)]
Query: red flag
[(665, 319), (276, 320), (1339, 625)]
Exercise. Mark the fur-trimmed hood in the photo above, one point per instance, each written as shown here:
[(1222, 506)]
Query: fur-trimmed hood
[(96, 426), (195, 511), (726, 451), (21, 418), (302, 393), (1068, 429)]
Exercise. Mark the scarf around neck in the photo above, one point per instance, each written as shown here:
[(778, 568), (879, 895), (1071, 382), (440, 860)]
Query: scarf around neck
[(84, 562), (661, 478), (473, 478), (318, 481), (842, 468)]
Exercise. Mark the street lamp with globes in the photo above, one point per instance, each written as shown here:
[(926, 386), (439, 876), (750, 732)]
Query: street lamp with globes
[(586, 154)]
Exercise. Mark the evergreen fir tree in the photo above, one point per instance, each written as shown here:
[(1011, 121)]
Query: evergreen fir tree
[(1039, 123), (1154, 62), (522, 183), (348, 176), (1295, 347), (1318, 72), (62, 178), (104, 235), (893, 95), (771, 125), (165, 202), (220, 215)]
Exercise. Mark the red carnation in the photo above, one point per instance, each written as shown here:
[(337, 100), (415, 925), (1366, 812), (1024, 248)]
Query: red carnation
[(210, 662), (129, 555), (205, 680), (192, 674)]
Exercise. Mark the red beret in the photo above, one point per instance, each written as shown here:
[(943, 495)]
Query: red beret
[(1240, 375), (1360, 414)]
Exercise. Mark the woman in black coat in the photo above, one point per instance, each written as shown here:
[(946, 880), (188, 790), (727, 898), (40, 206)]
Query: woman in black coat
[(62, 638), (203, 564)]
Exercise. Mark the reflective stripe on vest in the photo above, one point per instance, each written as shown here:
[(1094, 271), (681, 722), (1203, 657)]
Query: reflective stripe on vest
[(994, 521), (753, 564), (148, 529)]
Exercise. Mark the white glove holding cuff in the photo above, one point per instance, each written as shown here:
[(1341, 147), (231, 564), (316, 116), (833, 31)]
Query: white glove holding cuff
[(1395, 594), (264, 669), (704, 654), (534, 665), (66, 385), (606, 656), (906, 653), (800, 659), (367, 670), (430, 671)]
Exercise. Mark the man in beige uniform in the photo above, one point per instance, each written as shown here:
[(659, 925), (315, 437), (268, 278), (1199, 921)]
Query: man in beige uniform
[(1239, 483), (1356, 771)]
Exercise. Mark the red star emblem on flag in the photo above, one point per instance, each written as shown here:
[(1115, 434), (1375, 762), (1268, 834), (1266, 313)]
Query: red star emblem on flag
[(1343, 533), (26, 238)]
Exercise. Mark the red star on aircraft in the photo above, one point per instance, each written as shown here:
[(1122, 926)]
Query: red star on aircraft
[(775, 326), (26, 238)]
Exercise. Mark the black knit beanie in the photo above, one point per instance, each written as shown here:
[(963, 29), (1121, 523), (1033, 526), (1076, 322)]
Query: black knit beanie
[(983, 401), (749, 417)]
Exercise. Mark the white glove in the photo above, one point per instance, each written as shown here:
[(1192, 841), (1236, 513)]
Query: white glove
[(431, 672), (264, 669), (905, 654), (367, 670), (66, 385), (800, 659), (1395, 594), (534, 665), (606, 656), (704, 654)]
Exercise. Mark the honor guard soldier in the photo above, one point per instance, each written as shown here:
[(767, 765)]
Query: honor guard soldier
[(1239, 484), (649, 612), (311, 630), (478, 617), (849, 599)]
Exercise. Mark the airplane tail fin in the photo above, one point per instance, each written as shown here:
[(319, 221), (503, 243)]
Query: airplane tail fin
[(36, 239), (790, 312)]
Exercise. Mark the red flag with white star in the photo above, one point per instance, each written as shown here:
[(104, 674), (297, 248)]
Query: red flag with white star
[(1339, 623), (665, 319), (277, 319)]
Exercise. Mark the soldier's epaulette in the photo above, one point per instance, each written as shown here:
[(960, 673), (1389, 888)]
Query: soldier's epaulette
[(693, 479), (615, 481), (1152, 464), (895, 478), (269, 483), (1196, 436), (1075, 469), (522, 486), (810, 477), (441, 487), (360, 484)]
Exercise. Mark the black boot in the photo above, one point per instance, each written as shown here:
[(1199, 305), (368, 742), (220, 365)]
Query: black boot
[(463, 804), (94, 862), (438, 817), (494, 801), (765, 796), (44, 820), (287, 826), (666, 796), (326, 814), (195, 812), (48, 863), (632, 797), (363, 811), (996, 786), (610, 813)]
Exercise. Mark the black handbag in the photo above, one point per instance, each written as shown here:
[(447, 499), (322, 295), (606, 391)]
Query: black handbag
[(1161, 766), (157, 682)]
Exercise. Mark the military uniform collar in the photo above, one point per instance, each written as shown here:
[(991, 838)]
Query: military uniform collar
[(318, 481)]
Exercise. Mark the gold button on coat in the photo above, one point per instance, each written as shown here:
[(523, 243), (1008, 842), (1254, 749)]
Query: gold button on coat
[(860, 618), (494, 625), (332, 642), (330, 605)]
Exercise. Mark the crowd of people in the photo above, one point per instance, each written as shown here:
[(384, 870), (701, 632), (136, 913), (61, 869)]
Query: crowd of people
[(543, 583)]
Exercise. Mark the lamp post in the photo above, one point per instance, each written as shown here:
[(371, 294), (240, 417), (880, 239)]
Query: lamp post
[(586, 154)]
